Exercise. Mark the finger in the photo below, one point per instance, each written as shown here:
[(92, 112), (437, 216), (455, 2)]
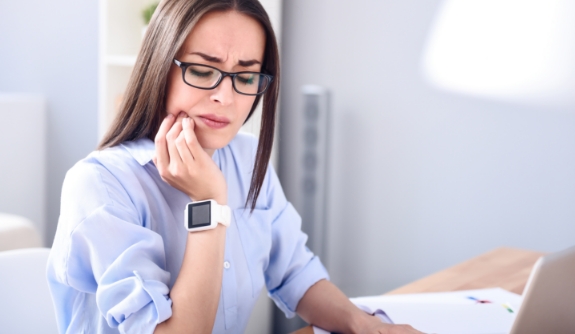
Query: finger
[(162, 157), (171, 137), (195, 148), (183, 148)]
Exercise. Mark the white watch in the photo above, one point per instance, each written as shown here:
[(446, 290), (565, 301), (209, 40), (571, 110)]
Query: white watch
[(206, 215)]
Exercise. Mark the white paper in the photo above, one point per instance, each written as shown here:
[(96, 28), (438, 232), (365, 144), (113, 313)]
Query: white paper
[(494, 295), (447, 312), (451, 318)]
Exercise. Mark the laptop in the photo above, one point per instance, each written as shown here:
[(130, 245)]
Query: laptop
[(549, 297)]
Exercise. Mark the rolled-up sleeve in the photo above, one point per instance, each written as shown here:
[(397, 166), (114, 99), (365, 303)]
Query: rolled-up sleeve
[(108, 254), (127, 264), (293, 268)]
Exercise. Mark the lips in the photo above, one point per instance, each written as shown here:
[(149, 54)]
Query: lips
[(214, 121)]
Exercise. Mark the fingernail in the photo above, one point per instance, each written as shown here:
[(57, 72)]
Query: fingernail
[(170, 116)]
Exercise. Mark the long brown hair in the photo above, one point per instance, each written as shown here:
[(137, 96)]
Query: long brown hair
[(144, 103)]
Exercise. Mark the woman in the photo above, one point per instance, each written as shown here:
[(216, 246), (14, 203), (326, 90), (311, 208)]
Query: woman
[(122, 259)]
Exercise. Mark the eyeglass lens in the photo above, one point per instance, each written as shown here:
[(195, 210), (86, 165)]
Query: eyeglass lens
[(207, 77)]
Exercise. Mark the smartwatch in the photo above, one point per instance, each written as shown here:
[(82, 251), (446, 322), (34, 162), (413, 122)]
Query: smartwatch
[(206, 215)]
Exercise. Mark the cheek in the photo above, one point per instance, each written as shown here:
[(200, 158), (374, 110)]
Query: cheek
[(181, 99), (178, 97), (246, 106)]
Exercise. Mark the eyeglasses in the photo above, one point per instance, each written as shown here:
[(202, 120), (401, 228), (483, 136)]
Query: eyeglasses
[(208, 77)]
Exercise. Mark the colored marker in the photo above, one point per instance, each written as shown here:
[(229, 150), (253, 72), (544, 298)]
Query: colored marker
[(480, 301), (508, 307)]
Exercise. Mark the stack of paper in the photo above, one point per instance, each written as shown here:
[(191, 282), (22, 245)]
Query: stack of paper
[(485, 311)]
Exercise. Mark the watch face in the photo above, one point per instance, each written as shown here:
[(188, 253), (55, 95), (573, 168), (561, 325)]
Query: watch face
[(199, 214)]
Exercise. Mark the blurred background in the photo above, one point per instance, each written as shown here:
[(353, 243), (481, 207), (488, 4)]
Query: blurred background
[(445, 128)]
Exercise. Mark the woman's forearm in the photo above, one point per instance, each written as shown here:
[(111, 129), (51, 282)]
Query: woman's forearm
[(325, 306), (196, 291)]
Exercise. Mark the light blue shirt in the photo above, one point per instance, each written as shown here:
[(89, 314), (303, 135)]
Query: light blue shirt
[(120, 243)]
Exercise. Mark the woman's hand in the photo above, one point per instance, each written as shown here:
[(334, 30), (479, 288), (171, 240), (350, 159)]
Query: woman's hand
[(374, 326), (325, 306), (183, 163)]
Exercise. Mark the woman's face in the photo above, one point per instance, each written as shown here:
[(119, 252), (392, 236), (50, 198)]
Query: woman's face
[(231, 42)]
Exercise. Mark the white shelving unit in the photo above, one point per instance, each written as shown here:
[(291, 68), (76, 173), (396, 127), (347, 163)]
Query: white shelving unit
[(120, 31)]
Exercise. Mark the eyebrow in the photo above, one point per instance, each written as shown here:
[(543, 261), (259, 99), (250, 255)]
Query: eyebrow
[(244, 63)]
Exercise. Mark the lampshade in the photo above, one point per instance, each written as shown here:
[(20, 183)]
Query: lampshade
[(514, 50)]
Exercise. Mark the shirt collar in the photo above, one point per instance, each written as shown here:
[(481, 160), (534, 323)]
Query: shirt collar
[(142, 149)]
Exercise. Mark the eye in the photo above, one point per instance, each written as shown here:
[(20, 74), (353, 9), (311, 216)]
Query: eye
[(247, 78), (201, 73)]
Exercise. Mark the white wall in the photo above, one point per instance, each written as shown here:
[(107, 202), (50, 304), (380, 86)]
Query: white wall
[(50, 48), (23, 154), (422, 179)]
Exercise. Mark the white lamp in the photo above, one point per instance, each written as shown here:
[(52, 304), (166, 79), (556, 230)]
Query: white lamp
[(515, 50)]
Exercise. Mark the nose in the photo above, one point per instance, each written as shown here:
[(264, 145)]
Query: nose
[(224, 92)]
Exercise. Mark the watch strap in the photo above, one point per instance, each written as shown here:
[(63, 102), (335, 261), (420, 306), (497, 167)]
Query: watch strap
[(221, 214)]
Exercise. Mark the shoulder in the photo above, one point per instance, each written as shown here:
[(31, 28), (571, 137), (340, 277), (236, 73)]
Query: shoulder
[(113, 164), (100, 169), (85, 180), (97, 181)]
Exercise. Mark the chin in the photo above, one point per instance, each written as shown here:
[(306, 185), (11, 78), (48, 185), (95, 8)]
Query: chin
[(212, 141)]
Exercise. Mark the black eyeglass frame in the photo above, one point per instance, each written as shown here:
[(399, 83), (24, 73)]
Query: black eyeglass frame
[(184, 66)]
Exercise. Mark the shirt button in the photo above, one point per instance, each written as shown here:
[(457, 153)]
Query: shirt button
[(226, 265)]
